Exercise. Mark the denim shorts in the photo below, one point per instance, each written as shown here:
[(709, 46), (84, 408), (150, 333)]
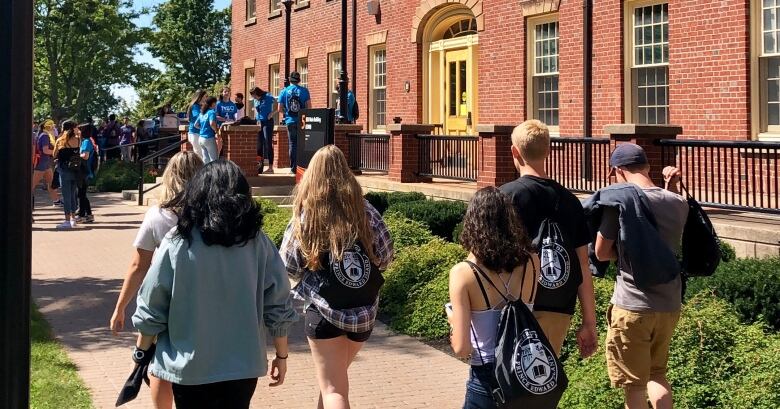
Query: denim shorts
[(478, 394)]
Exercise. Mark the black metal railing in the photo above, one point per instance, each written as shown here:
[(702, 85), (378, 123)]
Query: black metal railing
[(447, 157), (738, 175), (170, 149), (369, 152), (579, 164)]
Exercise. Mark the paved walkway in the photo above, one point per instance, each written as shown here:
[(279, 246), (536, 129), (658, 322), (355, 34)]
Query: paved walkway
[(76, 279)]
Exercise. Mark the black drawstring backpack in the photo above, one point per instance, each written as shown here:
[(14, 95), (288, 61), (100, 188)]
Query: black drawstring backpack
[(528, 375), (701, 252)]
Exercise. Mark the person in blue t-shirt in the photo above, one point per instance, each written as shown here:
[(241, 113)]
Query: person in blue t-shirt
[(292, 100), (193, 112), (207, 134), (351, 116), (226, 109), (264, 109), (87, 153)]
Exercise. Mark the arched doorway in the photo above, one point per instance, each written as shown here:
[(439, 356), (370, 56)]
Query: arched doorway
[(450, 42)]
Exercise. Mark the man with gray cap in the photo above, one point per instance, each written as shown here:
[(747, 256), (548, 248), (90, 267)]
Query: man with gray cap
[(640, 227), (292, 100)]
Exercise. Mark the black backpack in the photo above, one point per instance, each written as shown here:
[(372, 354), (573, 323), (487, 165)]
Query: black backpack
[(353, 282), (560, 276), (355, 111), (527, 373), (701, 253), (294, 104)]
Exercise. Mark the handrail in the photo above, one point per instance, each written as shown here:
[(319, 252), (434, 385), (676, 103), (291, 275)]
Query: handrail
[(165, 138), (582, 140), (447, 137), (155, 155), (721, 144)]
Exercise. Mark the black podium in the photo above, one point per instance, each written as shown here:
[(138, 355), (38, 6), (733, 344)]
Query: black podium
[(316, 131)]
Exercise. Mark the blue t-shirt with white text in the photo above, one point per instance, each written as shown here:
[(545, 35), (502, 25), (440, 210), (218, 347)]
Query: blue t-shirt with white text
[(293, 99), (205, 124), (227, 110)]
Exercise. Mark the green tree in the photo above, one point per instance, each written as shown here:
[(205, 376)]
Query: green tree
[(193, 41), (82, 48)]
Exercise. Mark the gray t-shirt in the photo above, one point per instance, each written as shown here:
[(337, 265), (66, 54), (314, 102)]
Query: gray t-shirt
[(670, 211)]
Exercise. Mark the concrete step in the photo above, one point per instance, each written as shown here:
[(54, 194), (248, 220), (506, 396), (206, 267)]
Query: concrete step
[(131, 196)]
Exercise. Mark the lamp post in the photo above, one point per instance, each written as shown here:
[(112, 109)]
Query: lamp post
[(343, 80), (587, 85), (354, 46), (287, 10)]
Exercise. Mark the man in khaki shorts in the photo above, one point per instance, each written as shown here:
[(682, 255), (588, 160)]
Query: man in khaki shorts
[(564, 273), (642, 319)]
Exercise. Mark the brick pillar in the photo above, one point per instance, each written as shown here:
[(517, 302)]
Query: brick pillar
[(645, 136), (240, 146), (340, 136), (404, 149), (183, 133), (281, 147), (494, 155)]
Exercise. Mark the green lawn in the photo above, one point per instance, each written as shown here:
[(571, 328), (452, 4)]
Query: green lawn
[(54, 381)]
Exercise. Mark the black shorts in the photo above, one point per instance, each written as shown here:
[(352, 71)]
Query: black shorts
[(317, 327)]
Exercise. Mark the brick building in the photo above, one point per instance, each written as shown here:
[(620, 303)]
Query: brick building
[(712, 67)]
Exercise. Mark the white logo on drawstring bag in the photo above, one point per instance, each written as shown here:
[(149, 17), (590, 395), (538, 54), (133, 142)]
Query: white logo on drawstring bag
[(555, 260), (534, 364), (354, 268)]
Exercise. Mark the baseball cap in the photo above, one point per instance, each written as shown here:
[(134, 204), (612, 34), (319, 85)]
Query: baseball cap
[(626, 154), (295, 77)]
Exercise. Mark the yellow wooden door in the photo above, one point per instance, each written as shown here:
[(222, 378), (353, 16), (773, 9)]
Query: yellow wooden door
[(457, 94)]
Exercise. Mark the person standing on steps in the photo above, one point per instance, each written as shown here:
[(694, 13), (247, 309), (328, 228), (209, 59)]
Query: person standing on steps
[(226, 109), (207, 134), (555, 221), (264, 112), (193, 112), (292, 101)]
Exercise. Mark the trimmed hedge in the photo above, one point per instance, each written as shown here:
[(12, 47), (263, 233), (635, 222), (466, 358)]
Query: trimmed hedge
[(406, 232), (751, 285), (274, 224), (382, 200), (266, 206), (441, 216), (412, 271), (116, 176)]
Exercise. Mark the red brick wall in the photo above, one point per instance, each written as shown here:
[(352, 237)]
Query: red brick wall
[(709, 67)]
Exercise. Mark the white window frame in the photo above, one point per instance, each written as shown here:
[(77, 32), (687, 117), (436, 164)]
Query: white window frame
[(377, 81), (274, 76), (251, 9), (631, 69), (759, 59), (302, 66), (274, 6), (249, 80), (334, 72), (531, 91)]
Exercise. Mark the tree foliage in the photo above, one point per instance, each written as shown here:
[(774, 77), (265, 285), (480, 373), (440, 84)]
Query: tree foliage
[(82, 48)]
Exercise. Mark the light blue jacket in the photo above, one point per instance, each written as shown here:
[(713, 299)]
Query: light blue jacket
[(208, 306)]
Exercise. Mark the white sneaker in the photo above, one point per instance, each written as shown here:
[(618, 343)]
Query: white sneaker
[(72, 223), (66, 225)]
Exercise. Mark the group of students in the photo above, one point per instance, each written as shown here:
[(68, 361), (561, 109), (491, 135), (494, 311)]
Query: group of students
[(211, 284), (65, 160)]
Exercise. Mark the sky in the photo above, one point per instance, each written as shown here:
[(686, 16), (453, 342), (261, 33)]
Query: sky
[(128, 93)]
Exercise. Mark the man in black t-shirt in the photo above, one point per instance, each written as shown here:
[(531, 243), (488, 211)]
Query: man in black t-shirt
[(565, 274)]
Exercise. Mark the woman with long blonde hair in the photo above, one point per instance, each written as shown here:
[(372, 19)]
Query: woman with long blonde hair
[(336, 245), (158, 221)]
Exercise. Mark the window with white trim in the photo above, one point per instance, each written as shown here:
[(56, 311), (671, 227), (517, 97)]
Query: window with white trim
[(378, 83), (250, 9), (249, 80), (275, 6), (334, 72), (302, 66), (273, 84), (543, 64), (648, 58), (769, 66)]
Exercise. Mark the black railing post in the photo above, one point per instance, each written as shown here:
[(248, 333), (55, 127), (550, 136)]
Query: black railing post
[(140, 182), (587, 86)]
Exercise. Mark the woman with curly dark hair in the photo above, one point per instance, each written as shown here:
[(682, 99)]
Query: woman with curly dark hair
[(499, 252), (215, 282)]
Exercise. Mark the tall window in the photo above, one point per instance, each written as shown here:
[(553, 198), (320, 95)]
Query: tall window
[(649, 63), (275, 5), (302, 66), (334, 71), (249, 78), (273, 83), (250, 9), (543, 66), (378, 83), (769, 66)]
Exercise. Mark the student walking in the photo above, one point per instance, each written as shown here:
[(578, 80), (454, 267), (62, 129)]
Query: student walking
[(640, 226), (158, 221), (292, 100), (501, 265), (193, 114), (207, 130), (337, 246), (89, 164), (211, 294), (555, 221), (69, 166), (264, 112), (112, 135), (44, 149), (127, 136)]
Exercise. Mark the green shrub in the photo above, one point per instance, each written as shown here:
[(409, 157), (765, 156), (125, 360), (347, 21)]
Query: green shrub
[(456, 232), (266, 206), (274, 224), (751, 285), (116, 176), (424, 315), (441, 216), (414, 269), (727, 252), (382, 200), (406, 232)]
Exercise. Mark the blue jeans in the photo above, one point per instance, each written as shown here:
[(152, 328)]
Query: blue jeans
[(101, 142), (292, 135), (478, 388), (69, 184), (209, 149), (265, 143)]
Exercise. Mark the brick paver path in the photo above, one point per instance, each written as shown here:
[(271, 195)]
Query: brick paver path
[(76, 279)]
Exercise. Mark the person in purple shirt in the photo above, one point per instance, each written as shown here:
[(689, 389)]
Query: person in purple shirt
[(126, 137)]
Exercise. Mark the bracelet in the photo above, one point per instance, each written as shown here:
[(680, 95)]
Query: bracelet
[(282, 357)]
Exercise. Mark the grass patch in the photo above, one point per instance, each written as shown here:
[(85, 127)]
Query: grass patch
[(54, 379)]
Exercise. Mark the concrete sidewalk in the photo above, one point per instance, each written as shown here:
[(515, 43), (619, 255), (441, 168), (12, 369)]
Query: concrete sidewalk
[(77, 276)]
